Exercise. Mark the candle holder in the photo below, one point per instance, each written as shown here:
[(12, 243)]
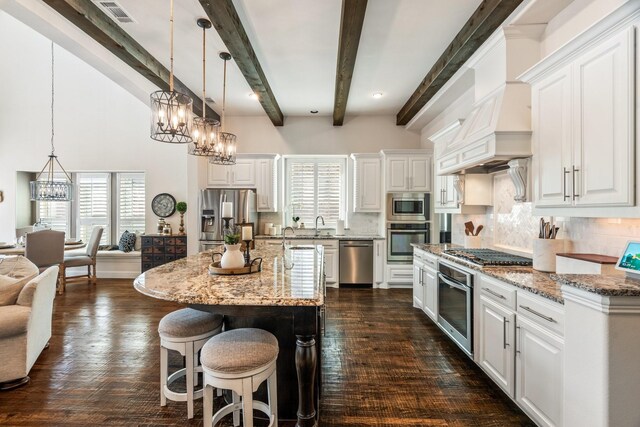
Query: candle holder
[(247, 255), (226, 229)]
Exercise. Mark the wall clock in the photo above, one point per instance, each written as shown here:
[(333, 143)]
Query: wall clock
[(163, 205)]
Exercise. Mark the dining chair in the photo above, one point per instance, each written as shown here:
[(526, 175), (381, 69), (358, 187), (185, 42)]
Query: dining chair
[(45, 248), (87, 259)]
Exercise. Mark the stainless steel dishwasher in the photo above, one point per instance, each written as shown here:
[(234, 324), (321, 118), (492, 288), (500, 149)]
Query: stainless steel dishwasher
[(356, 262)]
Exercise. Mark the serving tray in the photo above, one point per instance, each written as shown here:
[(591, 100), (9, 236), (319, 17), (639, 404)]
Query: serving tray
[(254, 267)]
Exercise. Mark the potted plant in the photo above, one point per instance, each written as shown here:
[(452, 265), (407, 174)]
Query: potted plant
[(232, 257), (181, 207), (295, 221)]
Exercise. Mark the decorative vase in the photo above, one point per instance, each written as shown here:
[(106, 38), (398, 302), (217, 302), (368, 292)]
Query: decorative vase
[(232, 257), (181, 230)]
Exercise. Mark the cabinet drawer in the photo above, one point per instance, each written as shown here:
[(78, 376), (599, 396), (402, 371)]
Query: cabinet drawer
[(158, 249), (181, 250), (169, 258), (146, 266), (543, 312), (169, 241), (146, 250), (181, 241), (419, 253), (497, 291), (147, 241), (147, 258), (400, 274), (430, 261), (158, 258), (158, 241), (170, 250)]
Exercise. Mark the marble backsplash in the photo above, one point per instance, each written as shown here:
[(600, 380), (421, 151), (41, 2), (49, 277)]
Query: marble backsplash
[(358, 223), (512, 225)]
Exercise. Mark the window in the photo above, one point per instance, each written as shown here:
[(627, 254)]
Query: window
[(315, 186), (93, 205), (131, 203)]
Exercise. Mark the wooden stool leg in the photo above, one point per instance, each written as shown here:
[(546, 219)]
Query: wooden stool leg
[(164, 373), (94, 276), (207, 415), (189, 377), (236, 414), (247, 402), (272, 387), (196, 363)]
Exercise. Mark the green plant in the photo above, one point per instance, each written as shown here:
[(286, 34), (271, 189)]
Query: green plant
[(181, 207), (295, 218), (232, 239)]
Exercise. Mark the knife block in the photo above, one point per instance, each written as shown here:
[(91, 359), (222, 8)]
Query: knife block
[(544, 254)]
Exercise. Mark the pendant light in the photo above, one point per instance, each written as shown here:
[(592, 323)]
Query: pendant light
[(49, 189), (224, 152), (171, 111), (205, 130)]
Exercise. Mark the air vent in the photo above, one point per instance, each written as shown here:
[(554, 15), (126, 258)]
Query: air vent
[(116, 11)]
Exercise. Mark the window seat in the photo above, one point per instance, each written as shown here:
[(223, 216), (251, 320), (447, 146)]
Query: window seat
[(112, 264)]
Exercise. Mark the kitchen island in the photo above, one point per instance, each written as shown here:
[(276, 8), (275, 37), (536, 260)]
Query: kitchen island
[(286, 298)]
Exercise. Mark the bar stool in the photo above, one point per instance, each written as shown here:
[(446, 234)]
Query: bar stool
[(240, 360), (185, 331)]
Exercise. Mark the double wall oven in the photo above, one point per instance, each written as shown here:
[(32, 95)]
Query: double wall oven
[(407, 223)]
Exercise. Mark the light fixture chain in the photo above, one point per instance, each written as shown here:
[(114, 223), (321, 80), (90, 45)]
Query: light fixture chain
[(171, 49), (52, 98), (224, 94), (204, 70)]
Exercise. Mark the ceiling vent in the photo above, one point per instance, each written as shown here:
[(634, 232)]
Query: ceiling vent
[(116, 11)]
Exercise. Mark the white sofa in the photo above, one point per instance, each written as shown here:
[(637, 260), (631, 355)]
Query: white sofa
[(25, 323)]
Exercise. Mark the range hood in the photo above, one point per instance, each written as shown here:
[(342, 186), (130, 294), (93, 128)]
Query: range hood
[(497, 130)]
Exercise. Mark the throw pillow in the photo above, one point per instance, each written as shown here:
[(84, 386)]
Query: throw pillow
[(15, 272), (127, 242)]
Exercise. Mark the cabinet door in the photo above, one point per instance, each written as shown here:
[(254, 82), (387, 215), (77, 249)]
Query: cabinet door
[(495, 343), (440, 185), (418, 290), (430, 285), (243, 173), (539, 370), (367, 186), (604, 98), (331, 261), (378, 259), (397, 174), (420, 173), (265, 186), (450, 193), (218, 175), (552, 148)]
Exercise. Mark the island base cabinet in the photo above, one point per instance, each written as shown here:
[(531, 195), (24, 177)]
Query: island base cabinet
[(496, 339), (539, 371), (418, 287), (430, 287)]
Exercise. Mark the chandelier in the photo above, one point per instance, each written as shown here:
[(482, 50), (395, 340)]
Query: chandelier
[(205, 130), (171, 112), (49, 189), (224, 152)]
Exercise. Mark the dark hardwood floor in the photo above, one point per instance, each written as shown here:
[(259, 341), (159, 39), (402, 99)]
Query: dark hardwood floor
[(384, 364)]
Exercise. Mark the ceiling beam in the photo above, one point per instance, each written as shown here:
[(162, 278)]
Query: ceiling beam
[(484, 21), (226, 21), (96, 24), (350, 29)]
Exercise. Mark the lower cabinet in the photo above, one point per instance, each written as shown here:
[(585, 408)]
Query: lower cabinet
[(331, 261), (378, 261), (496, 343), (539, 371), (430, 288), (418, 287)]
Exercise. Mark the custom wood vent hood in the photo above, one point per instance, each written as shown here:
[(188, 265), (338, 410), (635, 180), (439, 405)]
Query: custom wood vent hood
[(498, 128)]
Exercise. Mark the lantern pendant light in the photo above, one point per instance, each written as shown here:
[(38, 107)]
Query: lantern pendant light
[(171, 111), (224, 152), (49, 189), (205, 130)]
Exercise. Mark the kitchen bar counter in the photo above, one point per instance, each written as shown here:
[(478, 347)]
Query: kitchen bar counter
[(321, 237)]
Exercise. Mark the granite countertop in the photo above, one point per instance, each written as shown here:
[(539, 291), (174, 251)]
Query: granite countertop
[(606, 285), (321, 237), (290, 278)]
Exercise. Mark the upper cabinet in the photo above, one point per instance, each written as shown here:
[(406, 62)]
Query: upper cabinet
[(583, 116), (267, 183), (408, 170), (242, 174), (367, 183)]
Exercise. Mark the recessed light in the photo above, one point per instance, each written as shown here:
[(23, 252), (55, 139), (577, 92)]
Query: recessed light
[(253, 95), (314, 111), (377, 95)]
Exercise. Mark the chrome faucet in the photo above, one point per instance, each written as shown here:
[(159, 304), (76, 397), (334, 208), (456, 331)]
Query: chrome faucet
[(319, 216), (284, 235)]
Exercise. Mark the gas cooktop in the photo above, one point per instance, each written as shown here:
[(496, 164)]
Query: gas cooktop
[(489, 257)]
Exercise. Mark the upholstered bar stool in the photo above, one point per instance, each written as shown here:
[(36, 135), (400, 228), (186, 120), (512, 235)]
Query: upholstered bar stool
[(240, 360), (185, 331)]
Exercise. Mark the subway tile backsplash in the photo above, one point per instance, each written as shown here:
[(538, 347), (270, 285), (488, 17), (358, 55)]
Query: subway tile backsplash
[(512, 224)]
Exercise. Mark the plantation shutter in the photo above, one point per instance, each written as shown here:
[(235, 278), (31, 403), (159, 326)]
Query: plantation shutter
[(316, 187), (55, 214), (131, 203), (94, 205)]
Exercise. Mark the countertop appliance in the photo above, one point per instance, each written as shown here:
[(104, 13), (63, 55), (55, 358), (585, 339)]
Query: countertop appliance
[(400, 236), (408, 207), (356, 263), (455, 305), (210, 207), (489, 257)]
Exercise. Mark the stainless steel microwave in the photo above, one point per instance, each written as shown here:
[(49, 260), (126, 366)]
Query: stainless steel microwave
[(408, 206)]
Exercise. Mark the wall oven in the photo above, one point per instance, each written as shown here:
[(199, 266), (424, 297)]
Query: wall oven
[(455, 305), (400, 236), (408, 206)]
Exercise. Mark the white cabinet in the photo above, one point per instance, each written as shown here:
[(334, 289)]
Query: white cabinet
[(583, 117), (267, 184), (367, 183), (539, 372), (411, 171), (418, 286), (378, 261), (242, 174), (446, 195), (495, 343), (430, 299), (331, 260)]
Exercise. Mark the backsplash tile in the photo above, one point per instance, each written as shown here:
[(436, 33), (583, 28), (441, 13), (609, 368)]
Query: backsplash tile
[(359, 222)]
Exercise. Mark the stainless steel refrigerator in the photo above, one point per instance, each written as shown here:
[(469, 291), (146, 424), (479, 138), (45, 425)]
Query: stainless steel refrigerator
[(210, 207)]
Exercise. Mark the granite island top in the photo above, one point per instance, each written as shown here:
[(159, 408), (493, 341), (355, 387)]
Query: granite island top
[(289, 278), (545, 284), (321, 237)]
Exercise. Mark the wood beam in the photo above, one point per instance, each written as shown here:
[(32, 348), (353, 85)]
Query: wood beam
[(484, 21), (226, 21), (96, 24), (350, 29)]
